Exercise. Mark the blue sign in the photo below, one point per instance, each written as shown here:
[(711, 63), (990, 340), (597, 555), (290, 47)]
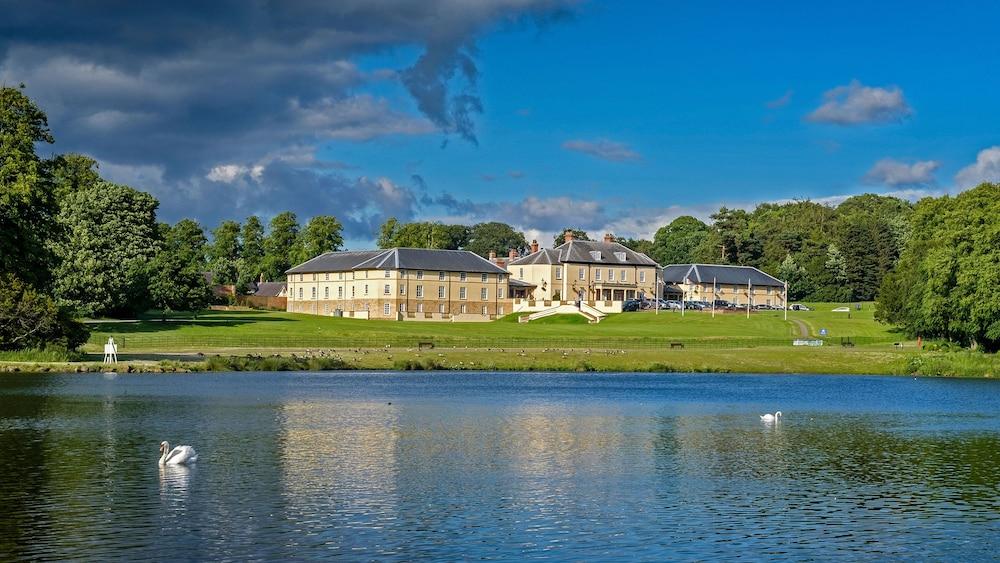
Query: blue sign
[(822, 332)]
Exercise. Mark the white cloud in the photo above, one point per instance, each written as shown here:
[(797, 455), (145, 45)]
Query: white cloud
[(856, 104), (604, 149), (893, 172), (985, 169), (358, 118), (228, 173)]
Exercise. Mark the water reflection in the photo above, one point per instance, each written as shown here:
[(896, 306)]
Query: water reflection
[(597, 468)]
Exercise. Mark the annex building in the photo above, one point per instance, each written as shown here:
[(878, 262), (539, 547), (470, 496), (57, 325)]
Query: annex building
[(735, 284), (400, 284), (602, 273)]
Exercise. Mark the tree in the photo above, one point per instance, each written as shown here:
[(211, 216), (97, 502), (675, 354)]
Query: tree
[(177, 281), (72, 173), (387, 232), (560, 237), (30, 319), (494, 236), (422, 235), (795, 275), (279, 245), (676, 243), (322, 234), (639, 245), (27, 199), (250, 265), (109, 234), (224, 252)]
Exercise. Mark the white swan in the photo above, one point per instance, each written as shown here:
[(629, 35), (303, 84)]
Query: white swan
[(181, 455), (770, 417)]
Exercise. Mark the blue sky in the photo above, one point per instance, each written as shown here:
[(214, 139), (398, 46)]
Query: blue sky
[(606, 116)]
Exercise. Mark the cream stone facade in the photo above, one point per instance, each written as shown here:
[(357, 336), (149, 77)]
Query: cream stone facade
[(736, 284), (596, 272), (400, 284)]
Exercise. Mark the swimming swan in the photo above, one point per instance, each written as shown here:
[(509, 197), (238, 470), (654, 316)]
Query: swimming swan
[(770, 417), (181, 455)]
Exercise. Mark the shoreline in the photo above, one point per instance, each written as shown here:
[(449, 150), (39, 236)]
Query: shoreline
[(760, 360)]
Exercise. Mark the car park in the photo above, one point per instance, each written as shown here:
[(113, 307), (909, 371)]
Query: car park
[(799, 307)]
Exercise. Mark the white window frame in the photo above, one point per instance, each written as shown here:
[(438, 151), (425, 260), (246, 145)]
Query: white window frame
[(420, 292), (326, 292), (313, 292), (340, 292), (420, 274), (484, 294), (582, 274), (462, 276), (484, 277), (402, 289), (611, 274), (462, 309), (462, 292), (441, 308), (440, 276), (387, 290), (486, 311), (597, 274), (558, 272), (388, 273), (386, 309), (441, 292), (642, 276)]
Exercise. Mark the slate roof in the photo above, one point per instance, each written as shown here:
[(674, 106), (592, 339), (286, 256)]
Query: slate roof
[(399, 259), (586, 252), (520, 283), (269, 289), (728, 275)]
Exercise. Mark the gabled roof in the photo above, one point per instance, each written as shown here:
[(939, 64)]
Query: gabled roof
[(729, 275), (587, 252), (399, 259), (269, 289)]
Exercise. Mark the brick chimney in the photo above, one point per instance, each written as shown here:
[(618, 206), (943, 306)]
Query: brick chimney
[(534, 246), (608, 237), (512, 254), (568, 235)]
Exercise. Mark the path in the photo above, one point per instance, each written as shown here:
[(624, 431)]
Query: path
[(803, 327)]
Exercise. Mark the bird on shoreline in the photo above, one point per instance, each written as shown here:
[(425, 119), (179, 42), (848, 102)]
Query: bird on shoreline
[(181, 455)]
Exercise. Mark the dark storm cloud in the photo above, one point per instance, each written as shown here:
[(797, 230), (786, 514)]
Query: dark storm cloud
[(170, 92)]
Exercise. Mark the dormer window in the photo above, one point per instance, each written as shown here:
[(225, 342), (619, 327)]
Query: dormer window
[(595, 254), (621, 256)]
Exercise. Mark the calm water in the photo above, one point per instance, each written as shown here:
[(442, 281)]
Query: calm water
[(499, 466)]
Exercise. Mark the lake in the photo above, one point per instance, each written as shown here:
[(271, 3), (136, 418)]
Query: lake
[(425, 465)]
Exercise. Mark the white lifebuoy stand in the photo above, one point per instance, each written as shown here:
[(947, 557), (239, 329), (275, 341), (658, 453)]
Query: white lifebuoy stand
[(111, 352)]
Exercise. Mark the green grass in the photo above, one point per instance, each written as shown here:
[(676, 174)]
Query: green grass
[(260, 330), (47, 355), (855, 323)]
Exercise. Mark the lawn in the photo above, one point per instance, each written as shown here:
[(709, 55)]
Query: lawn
[(855, 323), (226, 330)]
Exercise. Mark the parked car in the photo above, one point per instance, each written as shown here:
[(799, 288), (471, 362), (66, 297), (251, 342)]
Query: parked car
[(723, 304), (799, 307), (694, 305), (671, 304), (630, 305)]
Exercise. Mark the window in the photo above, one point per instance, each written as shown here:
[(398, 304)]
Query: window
[(420, 292), (463, 308), (624, 276), (595, 254), (597, 274), (500, 292), (326, 308), (340, 292), (402, 307), (582, 273), (300, 293), (486, 311), (366, 289), (326, 292), (340, 275), (420, 307), (558, 272), (440, 275), (314, 293), (388, 273), (461, 292), (387, 290), (642, 276), (314, 277), (441, 308), (402, 289), (611, 275), (520, 273), (420, 274), (440, 292), (326, 276), (386, 309), (621, 256), (461, 276), (352, 292), (300, 277), (483, 294), (484, 277)]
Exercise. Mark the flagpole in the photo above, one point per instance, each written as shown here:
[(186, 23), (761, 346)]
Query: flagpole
[(786, 300), (656, 290), (713, 297), (749, 297)]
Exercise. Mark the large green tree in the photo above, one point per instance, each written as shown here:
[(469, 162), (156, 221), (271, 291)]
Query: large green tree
[(177, 281), (323, 233), (422, 234), (224, 252), (279, 245), (108, 235), (677, 242), (72, 173), (251, 262), (27, 198), (494, 236), (560, 237), (30, 319)]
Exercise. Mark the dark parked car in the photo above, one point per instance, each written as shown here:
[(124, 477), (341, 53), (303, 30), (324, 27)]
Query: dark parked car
[(694, 305), (631, 305), (723, 304)]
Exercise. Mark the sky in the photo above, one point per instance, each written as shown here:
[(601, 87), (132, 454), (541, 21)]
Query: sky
[(545, 114)]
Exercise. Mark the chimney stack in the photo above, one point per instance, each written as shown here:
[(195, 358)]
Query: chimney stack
[(534, 246), (568, 235), (493, 256), (608, 237), (512, 254)]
